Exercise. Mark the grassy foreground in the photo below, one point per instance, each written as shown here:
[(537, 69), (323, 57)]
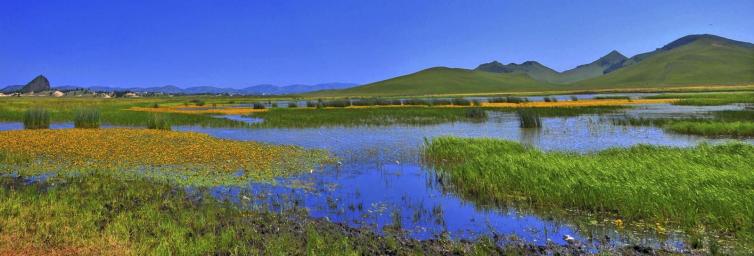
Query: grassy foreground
[(181, 157), (101, 215), (702, 188)]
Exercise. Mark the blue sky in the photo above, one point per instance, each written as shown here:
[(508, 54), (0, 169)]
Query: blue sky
[(242, 43)]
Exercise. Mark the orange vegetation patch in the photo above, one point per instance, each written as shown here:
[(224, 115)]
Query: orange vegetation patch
[(580, 103), (123, 149), (11, 245), (200, 110)]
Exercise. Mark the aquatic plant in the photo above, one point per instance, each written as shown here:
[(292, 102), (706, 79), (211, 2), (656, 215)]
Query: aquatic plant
[(258, 105), (158, 122), (87, 118), (292, 104), (707, 99), (416, 102), (461, 102), (476, 113), (574, 98), (706, 187), (36, 118), (611, 97), (529, 119)]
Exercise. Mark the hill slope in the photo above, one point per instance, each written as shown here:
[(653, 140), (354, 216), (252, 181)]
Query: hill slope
[(541, 72), (691, 60), (442, 80), (534, 69)]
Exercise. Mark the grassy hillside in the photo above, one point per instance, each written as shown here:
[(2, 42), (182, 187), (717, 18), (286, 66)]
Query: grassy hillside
[(705, 60), (689, 61), (534, 69), (441, 80)]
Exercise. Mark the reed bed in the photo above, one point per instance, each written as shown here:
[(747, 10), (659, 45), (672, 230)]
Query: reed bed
[(707, 187), (158, 122), (37, 118), (529, 119), (88, 118)]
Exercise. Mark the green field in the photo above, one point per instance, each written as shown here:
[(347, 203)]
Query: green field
[(701, 189)]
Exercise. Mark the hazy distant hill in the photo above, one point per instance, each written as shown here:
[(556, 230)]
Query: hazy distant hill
[(171, 89), (691, 60)]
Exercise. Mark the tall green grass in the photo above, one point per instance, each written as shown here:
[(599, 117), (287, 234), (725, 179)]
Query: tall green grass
[(37, 118), (529, 119), (712, 128), (707, 187), (87, 118), (158, 122)]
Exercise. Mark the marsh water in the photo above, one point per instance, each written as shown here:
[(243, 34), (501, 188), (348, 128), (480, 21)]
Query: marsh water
[(381, 182)]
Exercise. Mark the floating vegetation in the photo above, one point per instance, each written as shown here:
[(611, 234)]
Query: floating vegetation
[(529, 119), (87, 118), (476, 113), (574, 98), (732, 123), (705, 187), (37, 118), (292, 104), (181, 157)]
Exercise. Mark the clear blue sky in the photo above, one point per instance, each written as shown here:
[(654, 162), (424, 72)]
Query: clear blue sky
[(241, 43)]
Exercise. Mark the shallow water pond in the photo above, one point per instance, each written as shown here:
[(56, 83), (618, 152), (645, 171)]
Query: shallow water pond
[(380, 180)]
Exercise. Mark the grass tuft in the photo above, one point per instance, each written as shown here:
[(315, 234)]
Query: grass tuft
[(37, 118), (86, 118)]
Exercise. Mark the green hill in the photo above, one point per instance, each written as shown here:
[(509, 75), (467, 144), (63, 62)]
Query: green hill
[(691, 60), (442, 80), (541, 72), (534, 69)]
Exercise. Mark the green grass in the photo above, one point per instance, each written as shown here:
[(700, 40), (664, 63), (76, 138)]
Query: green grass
[(112, 111), (707, 99), (101, 215), (705, 187), (86, 118), (729, 123), (361, 116), (712, 128), (36, 118), (158, 122)]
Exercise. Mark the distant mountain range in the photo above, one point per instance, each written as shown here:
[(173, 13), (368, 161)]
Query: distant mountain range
[(690, 60), (171, 89)]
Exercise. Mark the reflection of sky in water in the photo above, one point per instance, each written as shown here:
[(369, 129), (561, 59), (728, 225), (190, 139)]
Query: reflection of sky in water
[(381, 175)]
